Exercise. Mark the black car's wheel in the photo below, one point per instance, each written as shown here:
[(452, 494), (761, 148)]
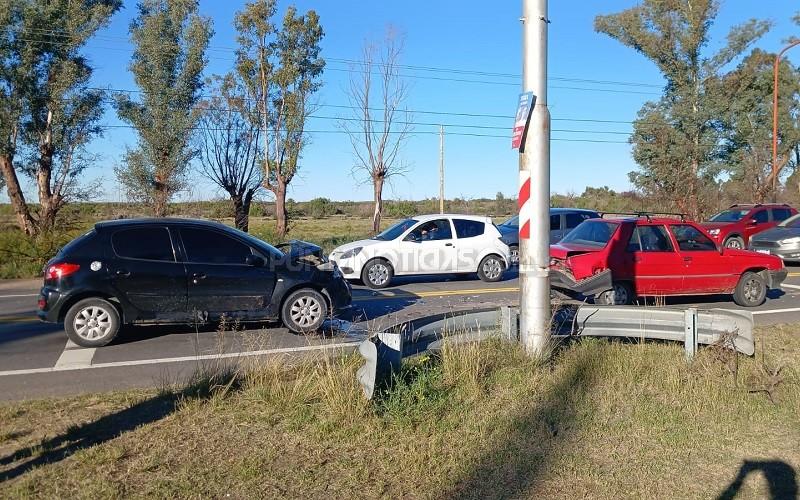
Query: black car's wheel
[(514, 254), (620, 295), (92, 322), (377, 273), (304, 311), (735, 242), (751, 291), (491, 268)]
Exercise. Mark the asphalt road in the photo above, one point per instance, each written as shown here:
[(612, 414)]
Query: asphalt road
[(37, 360)]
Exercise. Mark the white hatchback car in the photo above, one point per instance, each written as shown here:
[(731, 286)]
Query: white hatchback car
[(428, 244)]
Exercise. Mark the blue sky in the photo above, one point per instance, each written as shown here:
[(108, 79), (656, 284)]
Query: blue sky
[(471, 35)]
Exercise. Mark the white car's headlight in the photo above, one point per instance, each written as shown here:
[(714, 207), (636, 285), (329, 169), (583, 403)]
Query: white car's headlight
[(713, 232), (351, 253), (790, 241)]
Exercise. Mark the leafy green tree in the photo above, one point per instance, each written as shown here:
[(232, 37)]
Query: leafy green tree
[(48, 113), (747, 122), (675, 140), (170, 40), (280, 68)]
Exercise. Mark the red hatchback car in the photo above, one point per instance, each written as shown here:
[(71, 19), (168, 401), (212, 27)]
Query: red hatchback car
[(617, 260), (733, 227)]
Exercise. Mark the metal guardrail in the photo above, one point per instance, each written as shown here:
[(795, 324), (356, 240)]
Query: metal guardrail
[(384, 352)]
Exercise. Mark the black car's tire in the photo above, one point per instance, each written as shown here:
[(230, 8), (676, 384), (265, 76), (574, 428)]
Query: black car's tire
[(377, 273), (514, 254), (734, 242), (491, 268), (751, 291), (92, 322), (304, 311), (620, 295)]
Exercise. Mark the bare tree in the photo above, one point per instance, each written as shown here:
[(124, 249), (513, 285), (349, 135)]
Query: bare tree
[(377, 134), (229, 147)]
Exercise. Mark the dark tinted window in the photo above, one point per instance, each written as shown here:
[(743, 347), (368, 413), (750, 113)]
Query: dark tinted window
[(555, 222), (691, 239), (438, 229), (781, 214), (210, 247), (573, 219), (150, 243), (79, 246), (761, 216), (649, 239), (468, 228)]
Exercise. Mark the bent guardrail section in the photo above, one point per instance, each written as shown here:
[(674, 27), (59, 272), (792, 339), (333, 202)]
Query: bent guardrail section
[(384, 351)]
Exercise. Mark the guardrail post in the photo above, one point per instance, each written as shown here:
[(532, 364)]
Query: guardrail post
[(690, 330), (383, 355), (509, 323)]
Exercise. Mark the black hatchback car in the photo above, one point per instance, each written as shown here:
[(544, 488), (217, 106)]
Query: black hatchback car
[(184, 271)]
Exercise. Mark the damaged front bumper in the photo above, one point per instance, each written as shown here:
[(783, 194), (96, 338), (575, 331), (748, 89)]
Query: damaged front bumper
[(590, 286), (777, 277)]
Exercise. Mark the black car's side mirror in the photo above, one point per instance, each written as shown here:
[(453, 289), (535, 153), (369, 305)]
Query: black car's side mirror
[(255, 261)]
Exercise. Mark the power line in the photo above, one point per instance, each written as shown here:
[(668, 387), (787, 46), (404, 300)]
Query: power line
[(347, 61)]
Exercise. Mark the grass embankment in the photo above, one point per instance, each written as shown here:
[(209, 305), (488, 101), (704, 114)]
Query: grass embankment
[(22, 257), (603, 420)]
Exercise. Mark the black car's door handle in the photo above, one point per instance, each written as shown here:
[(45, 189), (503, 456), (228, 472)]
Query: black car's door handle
[(198, 276), (123, 273)]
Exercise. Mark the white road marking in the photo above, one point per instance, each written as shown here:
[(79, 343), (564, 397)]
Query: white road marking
[(140, 362), (20, 295), (777, 311), (75, 356), (785, 285)]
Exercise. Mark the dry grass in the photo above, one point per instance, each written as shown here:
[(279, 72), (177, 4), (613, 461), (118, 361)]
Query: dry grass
[(603, 420)]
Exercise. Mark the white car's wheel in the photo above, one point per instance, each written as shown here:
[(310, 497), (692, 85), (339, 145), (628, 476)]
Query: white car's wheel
[(491, 268), (377, 273)]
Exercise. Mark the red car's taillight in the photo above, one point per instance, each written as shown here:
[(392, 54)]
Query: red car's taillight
[(61, 270)]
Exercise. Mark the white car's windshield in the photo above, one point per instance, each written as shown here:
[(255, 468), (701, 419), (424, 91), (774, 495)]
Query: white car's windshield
[(392, 232), (593, 233)]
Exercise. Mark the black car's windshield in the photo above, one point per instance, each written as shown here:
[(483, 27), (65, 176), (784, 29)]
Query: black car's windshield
[(514, 221), (392, 232), (729, 216), (258, 243), (593, 233), (793, 221)]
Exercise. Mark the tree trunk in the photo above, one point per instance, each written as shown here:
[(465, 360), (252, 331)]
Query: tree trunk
[(281, 216), (377, 184), (48, 205), (241, 212), (160, 198), (16, 197)]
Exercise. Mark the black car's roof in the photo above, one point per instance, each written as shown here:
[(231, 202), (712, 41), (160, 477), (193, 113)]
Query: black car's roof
[(173, 221), (559, 210)]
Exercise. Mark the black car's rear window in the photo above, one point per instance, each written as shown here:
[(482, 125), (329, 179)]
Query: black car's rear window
[(79, 245)]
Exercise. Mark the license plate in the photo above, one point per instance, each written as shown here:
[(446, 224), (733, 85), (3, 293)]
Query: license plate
[(762, 251)]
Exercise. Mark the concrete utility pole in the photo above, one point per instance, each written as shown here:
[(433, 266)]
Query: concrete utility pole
[(534, 191), (441, 169)]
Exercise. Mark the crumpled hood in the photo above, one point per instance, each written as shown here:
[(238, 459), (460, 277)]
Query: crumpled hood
[(564, 250), (297, 250), (355, 244)]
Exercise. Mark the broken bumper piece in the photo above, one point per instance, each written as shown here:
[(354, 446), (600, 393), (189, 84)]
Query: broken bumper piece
[(592, 285)]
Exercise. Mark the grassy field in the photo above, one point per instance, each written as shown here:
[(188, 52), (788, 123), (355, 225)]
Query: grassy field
[(602, 420)]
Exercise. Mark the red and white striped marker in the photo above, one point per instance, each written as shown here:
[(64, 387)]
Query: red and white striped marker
[(524, 204)]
